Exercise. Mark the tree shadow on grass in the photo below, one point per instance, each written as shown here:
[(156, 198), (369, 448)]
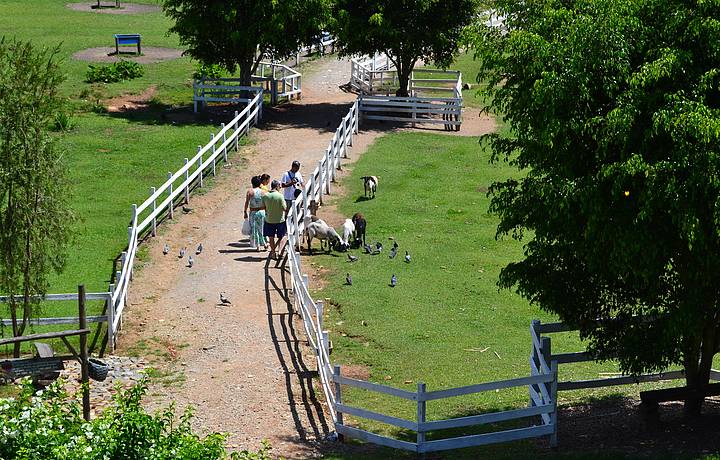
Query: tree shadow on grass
[(154, 112)]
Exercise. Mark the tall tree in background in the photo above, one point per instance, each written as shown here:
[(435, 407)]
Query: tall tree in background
[(405, 30), (238, 34), (614, 110), (34, 213)]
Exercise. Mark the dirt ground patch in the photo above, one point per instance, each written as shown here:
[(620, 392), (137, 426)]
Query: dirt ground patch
[(151, 55), (128, 102), (125, 8)]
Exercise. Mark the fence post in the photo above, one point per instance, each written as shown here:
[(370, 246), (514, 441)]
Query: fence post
[(187, 184), (273, 90), (551, 387), (199, 166), (414, 112), (330, 169), (534, 357), (212, 140), (338, 399), (195, 96), (320, 185), (319, 312), (421, 406), (130, 241), (235, 133), (171, 209), (222, 127), (154, 221), (84, 354), (110, 311)]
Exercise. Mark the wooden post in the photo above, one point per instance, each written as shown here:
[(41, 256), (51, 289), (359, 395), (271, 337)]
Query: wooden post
[(273, 90), (319, 309), (170, 192), (212, 140), (222, 127), (235, 128), (199, 166), (110, 310), (553, 395), (154, 221), (534, 357), (320, 179), (187, 185), (421, 412), (338, 399), (84, 354)]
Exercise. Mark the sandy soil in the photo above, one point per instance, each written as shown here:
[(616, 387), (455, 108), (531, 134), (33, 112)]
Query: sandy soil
[(125, 7), (150, 54)]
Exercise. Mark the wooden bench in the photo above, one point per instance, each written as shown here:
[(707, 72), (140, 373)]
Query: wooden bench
[(651, 398), (43, 366), (117, 4), (127, 40)]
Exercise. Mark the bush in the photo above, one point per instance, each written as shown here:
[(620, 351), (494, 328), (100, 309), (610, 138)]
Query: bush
[(63, 122), (118, 71), (207, 71), (48, 424)]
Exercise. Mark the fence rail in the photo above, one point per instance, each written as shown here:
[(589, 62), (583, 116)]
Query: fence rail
[(332, 381)]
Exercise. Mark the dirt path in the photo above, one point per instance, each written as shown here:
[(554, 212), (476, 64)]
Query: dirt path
[(241, 366)]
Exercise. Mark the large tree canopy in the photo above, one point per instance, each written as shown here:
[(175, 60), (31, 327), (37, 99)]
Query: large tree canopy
[(405, 30), (240, 33), (614, 114), (34, 213)]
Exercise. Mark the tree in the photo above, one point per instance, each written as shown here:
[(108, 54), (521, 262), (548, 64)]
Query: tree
[(614, 114), (238, 34), (406, 31), (35, 218)]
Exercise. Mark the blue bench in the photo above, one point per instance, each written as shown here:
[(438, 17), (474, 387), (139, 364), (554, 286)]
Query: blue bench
[(127, 40)]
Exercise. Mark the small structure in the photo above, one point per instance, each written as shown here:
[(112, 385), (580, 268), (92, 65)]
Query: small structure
[(127, 40), (99, 5)]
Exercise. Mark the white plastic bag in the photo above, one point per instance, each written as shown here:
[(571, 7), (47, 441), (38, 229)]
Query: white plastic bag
[(246, 227)]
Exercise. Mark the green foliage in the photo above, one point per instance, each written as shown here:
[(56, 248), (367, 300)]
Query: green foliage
[(241, 32), (614, 110), (115, 72), (34, 213), (63, 122), (207, 71), (48, 424), (407, 31)]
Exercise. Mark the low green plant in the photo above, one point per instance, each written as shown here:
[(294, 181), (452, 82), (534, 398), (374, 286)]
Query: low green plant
[(115, 72), (207, 71), (48, 424), (63, 122)]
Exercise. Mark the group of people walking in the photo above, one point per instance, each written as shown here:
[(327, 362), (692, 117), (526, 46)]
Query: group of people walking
[(267, 204)]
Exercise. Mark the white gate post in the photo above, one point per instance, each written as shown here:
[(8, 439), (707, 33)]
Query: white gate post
[(154, 220), (187, 185), (170, 192), (199, 166), (338, 399)]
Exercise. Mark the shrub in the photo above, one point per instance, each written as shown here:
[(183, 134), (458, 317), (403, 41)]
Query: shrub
[(118, 71), (63, 122), (48, 424), (207, 71)]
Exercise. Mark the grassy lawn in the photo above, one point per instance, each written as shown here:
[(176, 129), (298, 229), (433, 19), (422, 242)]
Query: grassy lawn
[(445, 323), (113, 159)]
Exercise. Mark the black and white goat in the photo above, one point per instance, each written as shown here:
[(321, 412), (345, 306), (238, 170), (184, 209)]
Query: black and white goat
[(371, 183)]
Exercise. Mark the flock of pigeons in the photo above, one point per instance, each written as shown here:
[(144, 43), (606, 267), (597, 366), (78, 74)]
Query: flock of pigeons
[(191, 261), (375, 251)]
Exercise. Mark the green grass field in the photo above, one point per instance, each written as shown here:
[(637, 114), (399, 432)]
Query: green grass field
[(446, 308), (113, 158)]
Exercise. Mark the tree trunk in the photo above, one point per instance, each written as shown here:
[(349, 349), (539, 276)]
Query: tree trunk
[(698, 363), (403, 80)]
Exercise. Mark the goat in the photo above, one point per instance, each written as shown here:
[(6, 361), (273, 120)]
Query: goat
[(348, 230), (321, 231), (371, 183), (360, 224)]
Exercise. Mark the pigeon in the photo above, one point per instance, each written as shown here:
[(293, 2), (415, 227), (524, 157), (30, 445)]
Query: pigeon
[(395, 245), (190, 262), (407, 257), (348, 280), (352, 258), (166, 249), (199, 249), (182, 252), (368, 249), (224, 300), (378, 246), (393, 252), (393, 281), (186, 209)]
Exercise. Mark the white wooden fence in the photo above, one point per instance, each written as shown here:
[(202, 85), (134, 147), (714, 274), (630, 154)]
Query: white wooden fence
[(435, 95), (278, 80), (161, 204), (331, 379)]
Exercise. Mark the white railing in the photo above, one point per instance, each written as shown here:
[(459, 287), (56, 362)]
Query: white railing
[(370, 75), (429, 110), (331, 379), (278, 80)]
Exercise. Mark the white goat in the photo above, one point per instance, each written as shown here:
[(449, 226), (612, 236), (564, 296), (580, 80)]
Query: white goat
[(323, 232), (348, 231), (371, 183)]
